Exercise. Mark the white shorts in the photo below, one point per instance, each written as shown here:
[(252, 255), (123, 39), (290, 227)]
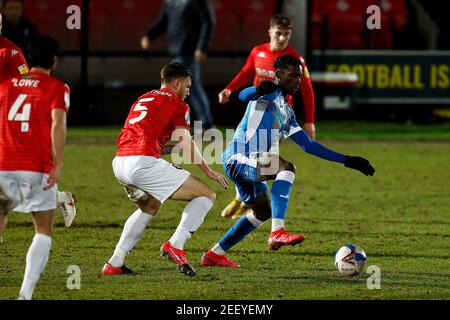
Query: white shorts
[(26, 191), (159, 178)]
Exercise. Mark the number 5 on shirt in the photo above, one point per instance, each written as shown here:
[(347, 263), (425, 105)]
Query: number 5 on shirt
[(143, 109)]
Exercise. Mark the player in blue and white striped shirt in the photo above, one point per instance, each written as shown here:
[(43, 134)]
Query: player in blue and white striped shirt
[(252, 158)]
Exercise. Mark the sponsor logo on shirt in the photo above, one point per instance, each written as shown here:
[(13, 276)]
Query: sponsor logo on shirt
[(23, 69), (261, 55), (270, 74), (161, 93), (14, 52)]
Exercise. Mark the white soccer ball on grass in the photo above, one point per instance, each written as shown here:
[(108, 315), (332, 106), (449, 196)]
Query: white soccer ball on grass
[(350, 260)]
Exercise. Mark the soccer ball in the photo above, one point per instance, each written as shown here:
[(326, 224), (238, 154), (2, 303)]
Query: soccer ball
[(350, 260)]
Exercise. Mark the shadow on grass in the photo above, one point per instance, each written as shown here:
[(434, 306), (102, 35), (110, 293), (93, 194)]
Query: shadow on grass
[(164, 226)]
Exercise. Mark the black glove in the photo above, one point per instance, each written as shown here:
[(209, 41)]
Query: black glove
[(266, 87), (360, 164)]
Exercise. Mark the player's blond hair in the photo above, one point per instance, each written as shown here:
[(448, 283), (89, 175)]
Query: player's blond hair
[(281, 21)]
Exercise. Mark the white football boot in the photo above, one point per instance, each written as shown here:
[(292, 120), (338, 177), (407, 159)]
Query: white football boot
[(66, 202)]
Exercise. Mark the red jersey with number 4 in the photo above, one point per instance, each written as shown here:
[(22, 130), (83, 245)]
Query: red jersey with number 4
[(259, 66), (12, 61), (26, 105), (151, 122)]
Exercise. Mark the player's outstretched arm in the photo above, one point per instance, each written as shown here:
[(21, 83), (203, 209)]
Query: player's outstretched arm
[(58, 134), (187, 144), (318, 150), (253, 93), (248, 94), (247, 73)]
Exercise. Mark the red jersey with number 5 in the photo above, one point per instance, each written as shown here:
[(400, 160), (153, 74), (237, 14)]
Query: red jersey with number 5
[(26, 105), (12, 61), (151, 122)]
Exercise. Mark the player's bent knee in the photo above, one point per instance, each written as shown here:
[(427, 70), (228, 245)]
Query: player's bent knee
[(291, 167), (211, 195), (151, 210), (207, 192), (261, 208), (262, 216), (194, 188), (149, 206), (288, 166)]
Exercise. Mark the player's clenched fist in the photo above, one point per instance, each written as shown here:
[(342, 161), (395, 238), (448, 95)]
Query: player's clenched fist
[(224, 96), (360, 164)]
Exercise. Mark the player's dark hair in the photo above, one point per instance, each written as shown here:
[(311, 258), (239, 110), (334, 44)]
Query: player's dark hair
[(43, 51), (286, 61), (175, 70), (281, 21)]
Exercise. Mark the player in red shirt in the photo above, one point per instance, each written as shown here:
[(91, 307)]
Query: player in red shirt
[(149, 180), (259, 66), (32, 137), (12, 61), (12, 64)]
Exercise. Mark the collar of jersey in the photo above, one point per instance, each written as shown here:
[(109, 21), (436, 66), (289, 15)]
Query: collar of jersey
[(34, 71), (172, 93)]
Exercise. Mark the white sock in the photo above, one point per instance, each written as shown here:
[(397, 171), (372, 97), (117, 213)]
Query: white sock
[(253, 220), (217, 249), (192, 218), (132, 231), (37, 258), (238, 195), (277, 224)]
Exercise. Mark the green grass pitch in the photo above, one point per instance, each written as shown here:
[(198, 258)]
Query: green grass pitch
[(400, 217)]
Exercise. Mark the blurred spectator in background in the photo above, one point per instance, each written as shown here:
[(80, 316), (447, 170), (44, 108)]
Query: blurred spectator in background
[(16, 27), (190, 26)]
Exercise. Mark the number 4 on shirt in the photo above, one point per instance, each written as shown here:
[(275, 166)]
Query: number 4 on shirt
[(23, 117)]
